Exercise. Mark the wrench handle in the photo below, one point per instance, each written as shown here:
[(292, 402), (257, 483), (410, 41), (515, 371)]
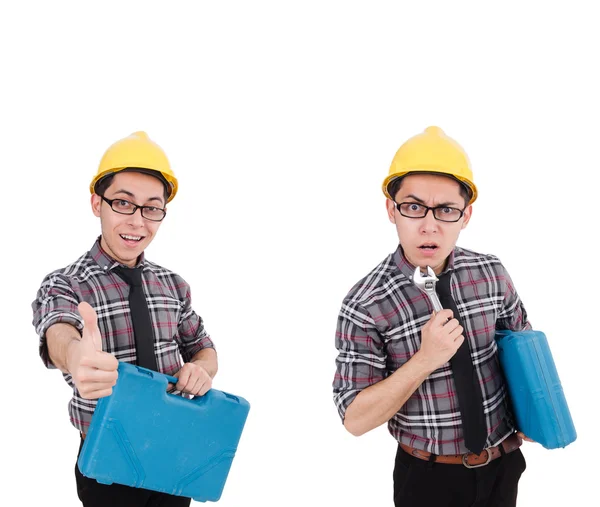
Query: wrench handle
[(435, 301)]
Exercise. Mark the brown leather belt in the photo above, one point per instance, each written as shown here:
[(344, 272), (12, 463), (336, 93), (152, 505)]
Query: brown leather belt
[(468, 459)]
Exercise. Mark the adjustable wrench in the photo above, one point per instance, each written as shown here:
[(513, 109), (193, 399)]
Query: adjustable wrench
[(427, 285)]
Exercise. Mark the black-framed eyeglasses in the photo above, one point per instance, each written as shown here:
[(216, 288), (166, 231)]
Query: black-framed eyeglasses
[(125, 207), (441, 213)]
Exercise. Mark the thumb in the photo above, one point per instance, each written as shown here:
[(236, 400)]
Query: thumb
[(91, 332), (170, 385)]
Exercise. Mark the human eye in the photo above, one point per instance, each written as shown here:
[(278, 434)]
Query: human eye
[(448, 214), (122, 205), (412, 209), (153, 213)]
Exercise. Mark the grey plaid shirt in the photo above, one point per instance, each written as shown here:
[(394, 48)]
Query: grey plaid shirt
[(178, 331), (379, 329)]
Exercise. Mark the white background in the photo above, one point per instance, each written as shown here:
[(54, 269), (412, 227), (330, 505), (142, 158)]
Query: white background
[(280, 120)]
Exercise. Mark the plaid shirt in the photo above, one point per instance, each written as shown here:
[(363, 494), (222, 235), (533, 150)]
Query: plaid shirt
[(178, 331), (379, 329)]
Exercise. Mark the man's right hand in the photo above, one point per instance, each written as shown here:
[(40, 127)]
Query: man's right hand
[(440, 338), (94, 372)]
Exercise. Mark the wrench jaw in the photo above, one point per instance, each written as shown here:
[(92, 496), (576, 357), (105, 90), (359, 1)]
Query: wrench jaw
[(425, 281), (427, 284)]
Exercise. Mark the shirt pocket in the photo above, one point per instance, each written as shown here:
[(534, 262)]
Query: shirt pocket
[(166, 313)]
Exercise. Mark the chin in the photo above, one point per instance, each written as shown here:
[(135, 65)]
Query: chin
[(429, 260), (127, 256)]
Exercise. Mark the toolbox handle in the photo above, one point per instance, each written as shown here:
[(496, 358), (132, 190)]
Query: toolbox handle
[(173, 380), (152, 373)]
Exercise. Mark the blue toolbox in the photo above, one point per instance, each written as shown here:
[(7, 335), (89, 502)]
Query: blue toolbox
[(144, 437), (535, 391)]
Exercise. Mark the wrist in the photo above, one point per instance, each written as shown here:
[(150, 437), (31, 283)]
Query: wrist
[(72, 347), (205, 365), (423, 364)]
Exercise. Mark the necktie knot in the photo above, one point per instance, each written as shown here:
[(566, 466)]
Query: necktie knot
[(133, 276)]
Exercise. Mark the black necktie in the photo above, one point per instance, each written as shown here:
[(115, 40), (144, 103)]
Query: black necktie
[(140, 316), (468, 390)]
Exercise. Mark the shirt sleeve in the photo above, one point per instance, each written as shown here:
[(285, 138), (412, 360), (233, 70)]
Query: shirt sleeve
[(55, 302), (192, 334), (513, 315), (361, 359)]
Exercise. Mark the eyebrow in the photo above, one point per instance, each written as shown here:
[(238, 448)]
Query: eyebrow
[(440, 205), (128, 193)]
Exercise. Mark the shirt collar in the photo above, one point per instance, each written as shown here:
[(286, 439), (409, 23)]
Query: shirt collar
[(408, 270), (105, 261)]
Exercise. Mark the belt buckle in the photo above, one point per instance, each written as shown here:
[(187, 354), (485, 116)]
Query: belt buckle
[(466, 463)]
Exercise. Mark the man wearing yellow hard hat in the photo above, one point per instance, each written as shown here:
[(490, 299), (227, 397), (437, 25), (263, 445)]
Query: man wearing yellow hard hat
[(415, 340), (112, 304)]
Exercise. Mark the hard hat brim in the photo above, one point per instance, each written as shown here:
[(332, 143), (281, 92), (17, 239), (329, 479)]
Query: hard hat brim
[(468, 184), (169, 182)]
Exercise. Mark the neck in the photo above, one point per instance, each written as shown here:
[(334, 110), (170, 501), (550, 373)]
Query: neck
[(106, 249)]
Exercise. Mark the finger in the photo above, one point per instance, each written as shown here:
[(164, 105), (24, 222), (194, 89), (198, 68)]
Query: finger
[(205, 387), (184, 376), (94, 375), (100, 361), (442, 317), (198, 386), (90, 325), (184, 386), (457, 331), (451, 326), (522, 435), (88, 387), (94, 395), (455, 325)]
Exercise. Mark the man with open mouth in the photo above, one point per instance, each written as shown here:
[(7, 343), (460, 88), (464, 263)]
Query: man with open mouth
[(402, 363), (85, 318)]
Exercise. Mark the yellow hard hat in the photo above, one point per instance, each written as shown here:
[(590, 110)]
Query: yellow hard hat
[(138, 151), (432, 152)]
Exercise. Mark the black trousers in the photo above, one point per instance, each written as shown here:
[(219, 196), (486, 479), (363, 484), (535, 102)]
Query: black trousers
[(93, 494), (421, 483)]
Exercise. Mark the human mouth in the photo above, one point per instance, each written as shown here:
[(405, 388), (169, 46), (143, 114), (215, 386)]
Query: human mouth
[(131, 239), (429, 249)]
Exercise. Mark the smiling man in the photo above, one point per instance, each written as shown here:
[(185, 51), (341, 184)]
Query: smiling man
[(433, 377), (112, 304)]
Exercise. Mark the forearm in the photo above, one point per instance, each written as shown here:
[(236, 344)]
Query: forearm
[(59, 337), (207, 358), (378, 403)]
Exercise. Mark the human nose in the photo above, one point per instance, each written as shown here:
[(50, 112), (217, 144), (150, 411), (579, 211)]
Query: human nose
[(428, 222), (136, 219)]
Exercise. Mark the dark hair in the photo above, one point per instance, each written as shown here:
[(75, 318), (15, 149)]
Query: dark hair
[(396, 183), (103, 183)]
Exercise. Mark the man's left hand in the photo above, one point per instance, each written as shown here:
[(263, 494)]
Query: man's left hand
[(193, 379), (522, 435)]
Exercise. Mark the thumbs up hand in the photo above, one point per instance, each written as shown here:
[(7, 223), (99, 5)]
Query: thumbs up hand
[(94, 371)]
